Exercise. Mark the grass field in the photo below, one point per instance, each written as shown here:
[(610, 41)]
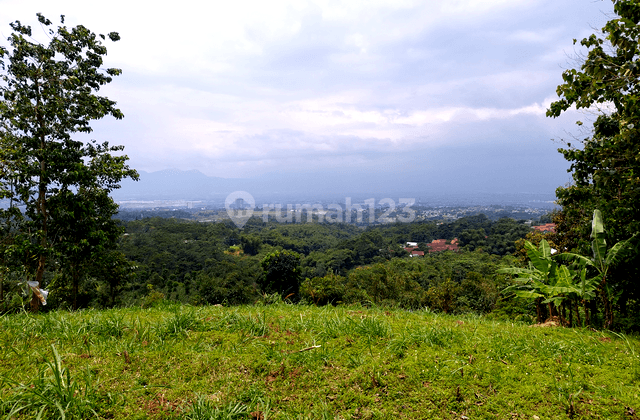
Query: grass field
[(298, 362)]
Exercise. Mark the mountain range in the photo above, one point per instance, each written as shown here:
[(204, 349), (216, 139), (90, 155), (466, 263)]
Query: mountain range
[(193, 185)]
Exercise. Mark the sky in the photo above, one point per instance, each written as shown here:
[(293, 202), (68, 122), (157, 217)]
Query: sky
[(447, 94)]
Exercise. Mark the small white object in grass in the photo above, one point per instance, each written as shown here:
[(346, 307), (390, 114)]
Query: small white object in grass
[(41, 294)]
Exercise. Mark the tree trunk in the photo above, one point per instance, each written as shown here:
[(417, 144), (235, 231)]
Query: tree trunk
[(587, 315), (622, 302), (608, 310), (112, 292), (35, 302), (42, 198), (75, 282), (539, 310), (75, 293), (563, 314), (593, 310)]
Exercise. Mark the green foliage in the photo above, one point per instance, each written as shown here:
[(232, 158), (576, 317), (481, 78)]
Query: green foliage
[(203, 409), (602, 261), (58, 187), (179, 325), (54, 393), (445, 282), (329, 289), (319, 264), (205, 263), (473, 239), (116, 271), (393, 283), (605, 167), (473, 232), (442, 295), (504, 233), (154, 298), (216, 263), (514, 309), (545, 279), (189, 262), (11, 299), (251, 244), (230, 289), (281, 273), (547, 282), (477, 294), (303, 238)]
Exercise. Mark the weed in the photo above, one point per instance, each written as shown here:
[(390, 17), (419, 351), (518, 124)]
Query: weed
[(203, 409), (335, 326), (567, 395), (111, 326), (55, 394), (179, 325), (399, 344), (355, 360), (248, 325), (631, 350), (370, 326), (436, 336)]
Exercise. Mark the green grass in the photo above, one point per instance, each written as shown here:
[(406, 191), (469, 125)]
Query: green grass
[(263, 362)]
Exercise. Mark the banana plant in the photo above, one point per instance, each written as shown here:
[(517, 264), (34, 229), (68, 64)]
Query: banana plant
[(601, 261), (543, 280), (558, 286)]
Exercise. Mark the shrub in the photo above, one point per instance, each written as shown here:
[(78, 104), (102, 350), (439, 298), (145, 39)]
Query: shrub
[(392, 283), (324, 290)]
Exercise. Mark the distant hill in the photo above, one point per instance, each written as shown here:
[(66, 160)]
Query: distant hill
[(330, 186), (174, 184), (193, 185)]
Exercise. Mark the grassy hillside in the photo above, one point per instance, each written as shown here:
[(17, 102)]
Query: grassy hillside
[(298, 362)]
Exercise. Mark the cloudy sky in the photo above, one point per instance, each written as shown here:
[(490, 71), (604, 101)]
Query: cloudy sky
[(447, 92)]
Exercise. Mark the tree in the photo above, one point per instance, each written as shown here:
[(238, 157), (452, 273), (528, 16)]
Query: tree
[(545, 279), (602, 261), (473, 238), (281, 273), (85, 233), (605, 167), (560, 284), (47, 94), (250, 244)]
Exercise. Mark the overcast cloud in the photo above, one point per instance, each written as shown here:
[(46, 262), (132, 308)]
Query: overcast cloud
[(428, 90)]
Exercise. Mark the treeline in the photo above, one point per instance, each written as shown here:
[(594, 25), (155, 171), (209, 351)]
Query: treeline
[(217, 263)]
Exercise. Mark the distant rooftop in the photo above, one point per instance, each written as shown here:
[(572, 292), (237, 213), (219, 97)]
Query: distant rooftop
[(547, 227)]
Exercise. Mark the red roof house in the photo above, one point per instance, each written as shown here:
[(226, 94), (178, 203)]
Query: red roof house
[(439, 245), (547, 227)]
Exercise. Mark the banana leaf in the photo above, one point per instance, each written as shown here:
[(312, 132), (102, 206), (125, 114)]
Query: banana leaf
[(599, 243)]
